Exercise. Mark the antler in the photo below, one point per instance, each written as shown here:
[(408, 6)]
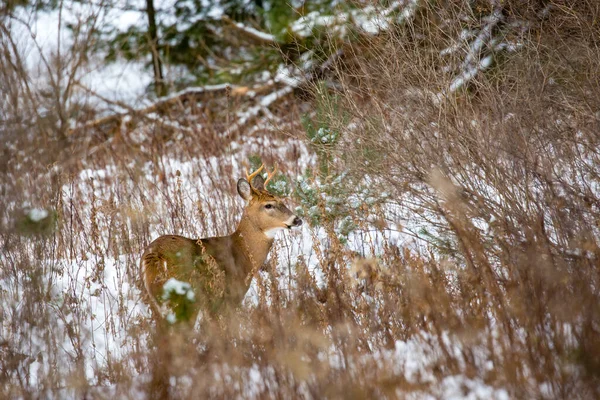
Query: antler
[(250, 177), (270, 175)]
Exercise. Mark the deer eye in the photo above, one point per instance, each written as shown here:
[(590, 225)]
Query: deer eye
[(269, 206)]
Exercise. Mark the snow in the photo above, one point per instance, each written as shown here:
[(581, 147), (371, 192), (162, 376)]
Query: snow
[(127, 81), (96, 313), (271, 98), (121, 81), (369, 19), (171, 318), (475, 60), (262, 107), (304, 25), (195, 90), (256, 33), (124, 81), (470, 73), (104, 288), (37, 214), (177, 287), (459, 387), (289, 75), (110, 303)]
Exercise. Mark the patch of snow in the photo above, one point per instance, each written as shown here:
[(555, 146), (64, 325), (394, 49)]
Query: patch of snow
[(171, 318), (289, 75), (175, 286), (254, 32), (37, 214)]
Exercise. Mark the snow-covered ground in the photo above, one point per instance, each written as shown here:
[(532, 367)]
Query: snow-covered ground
[(42, 36), (95, 301)]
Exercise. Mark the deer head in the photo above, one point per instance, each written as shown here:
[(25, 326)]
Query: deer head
[(263, 209)]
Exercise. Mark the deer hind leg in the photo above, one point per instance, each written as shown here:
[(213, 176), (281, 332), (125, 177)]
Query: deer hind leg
[(155, 274)]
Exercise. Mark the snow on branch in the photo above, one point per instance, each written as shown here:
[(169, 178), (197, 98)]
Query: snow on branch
[(259, 101), (263, 106), (474, 61), (370, 19), (160, 104), (253, 34)]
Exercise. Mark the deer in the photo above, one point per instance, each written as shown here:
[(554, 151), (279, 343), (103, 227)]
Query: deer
[(219, 269)]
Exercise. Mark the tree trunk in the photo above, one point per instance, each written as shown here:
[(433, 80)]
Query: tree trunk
[(159, 83)]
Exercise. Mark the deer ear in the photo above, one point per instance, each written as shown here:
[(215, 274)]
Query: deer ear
[(244, 189), (259, 183)]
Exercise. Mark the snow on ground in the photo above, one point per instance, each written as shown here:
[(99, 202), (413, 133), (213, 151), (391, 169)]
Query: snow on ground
[(103, 287), (107, 301), (96, 291), (106, 335), (41, 36)]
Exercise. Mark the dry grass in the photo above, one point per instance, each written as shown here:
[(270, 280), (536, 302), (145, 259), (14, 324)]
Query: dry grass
[(498, 295)]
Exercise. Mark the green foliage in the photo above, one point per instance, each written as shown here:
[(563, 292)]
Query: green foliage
[(197, 36), (277, 18), (255, 162), (39, 222), (179, 298), (337, 200), (321, 129), (280, 186), (333, 196), (202, 40), (322, 200), (37, 5)]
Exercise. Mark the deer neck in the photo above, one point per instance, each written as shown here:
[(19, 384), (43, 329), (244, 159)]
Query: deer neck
[(252, 244)]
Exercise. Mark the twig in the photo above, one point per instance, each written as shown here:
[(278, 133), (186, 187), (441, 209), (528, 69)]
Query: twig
[(251, 33), (160, 103)]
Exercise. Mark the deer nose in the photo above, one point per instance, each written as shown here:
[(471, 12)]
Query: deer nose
[(297, 222)]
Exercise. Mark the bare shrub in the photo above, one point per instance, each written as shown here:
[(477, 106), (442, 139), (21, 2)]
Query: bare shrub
[(503, 173)]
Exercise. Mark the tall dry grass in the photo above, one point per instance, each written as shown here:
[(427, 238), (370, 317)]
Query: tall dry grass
[(504, 173), (498, 183)]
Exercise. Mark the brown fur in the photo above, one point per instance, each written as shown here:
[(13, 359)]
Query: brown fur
[(219, 269)]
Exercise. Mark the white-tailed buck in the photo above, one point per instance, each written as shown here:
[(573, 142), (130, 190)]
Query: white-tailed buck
[(219, 269)]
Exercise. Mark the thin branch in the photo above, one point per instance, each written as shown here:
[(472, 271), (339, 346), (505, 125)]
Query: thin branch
[(159, 105), (250, 33)]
